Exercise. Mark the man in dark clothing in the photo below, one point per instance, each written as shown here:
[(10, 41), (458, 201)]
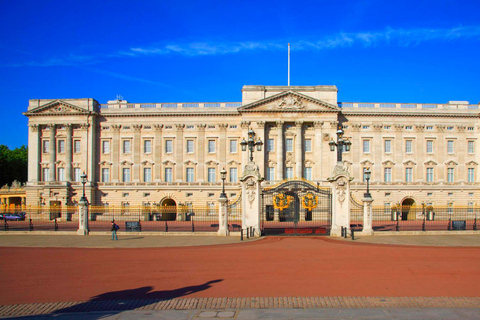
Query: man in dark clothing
[(115, 227)]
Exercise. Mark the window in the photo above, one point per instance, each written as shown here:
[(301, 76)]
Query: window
[(233, 146), (270, 145), (450, 175), (366, 146), (147, 146), (408, 127), (387, 207), (147, 174), (308, 145), (211, 146), (388, 174), (308, 173), (233, 175), (46, 146), (211, 175), (168, 174), (388, 146), (168, 146), (408, 174), (429, 146), (190, 175), (46, 174), (289, 145), (211, 208), (429, 127), (471, 147), (429, 174), (408, 146), (61, 146), (289, 173), (61, 174), (77, 147), (450, 149), (471, 175), (105, 146), (105, 175), (126, 146), (190, 146), (126, 174), (450, 128), (76, 174), (270, 174)]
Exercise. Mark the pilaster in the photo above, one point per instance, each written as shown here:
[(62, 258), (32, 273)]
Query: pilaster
[(137, 151), (115, 150), (158, 152), (69, 153), (279, 151), (53, 152), (179, 152), (298, 149), (201, 152), (317, 150)]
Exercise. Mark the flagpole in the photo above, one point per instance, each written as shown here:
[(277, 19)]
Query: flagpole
[(289, 64)]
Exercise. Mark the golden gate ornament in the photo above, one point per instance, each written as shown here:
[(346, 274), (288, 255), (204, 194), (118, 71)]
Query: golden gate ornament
[(281, 201), (309, 201)]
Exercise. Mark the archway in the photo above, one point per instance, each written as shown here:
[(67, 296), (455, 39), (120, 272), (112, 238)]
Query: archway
[(168, 210), (407, 213)]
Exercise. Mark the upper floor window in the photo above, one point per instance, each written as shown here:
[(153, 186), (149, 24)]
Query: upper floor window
[(168, 146), (429, 146), (471, 175), (105, 175), (76, 174), (366, 146), (126, 174), (127, 146), (105, 146), (46, 146), (408, 174), (450, 146), (308, 173), (308, 145), (429, 174), (289, 145), (270, 145), (408, 146), (471, 147), (168, 174), (270, 174), (61, 174), (211, 146), (190, 146), (233, 175), (450, 175), (77, 146), (61, 146), (46, 174), (289, 172), (233, 146), (388, 146), (147, 174), (212, 175), (190, 175), (147, 146), (388, 174)]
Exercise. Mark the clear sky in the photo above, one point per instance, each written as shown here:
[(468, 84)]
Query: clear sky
[(189, 51)]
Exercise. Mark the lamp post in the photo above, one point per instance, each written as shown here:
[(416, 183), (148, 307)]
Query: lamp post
[(223, 175), (84, 181), (340, 144), (367, 174), (251, 143)]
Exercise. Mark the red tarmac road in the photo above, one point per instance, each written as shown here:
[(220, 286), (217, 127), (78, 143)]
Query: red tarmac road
[(272, 267)]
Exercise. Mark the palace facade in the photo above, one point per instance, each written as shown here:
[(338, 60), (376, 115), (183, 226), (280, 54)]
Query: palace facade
[(172, 153)]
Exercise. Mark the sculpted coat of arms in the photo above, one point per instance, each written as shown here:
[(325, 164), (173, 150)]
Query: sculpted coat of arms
[(290, 102)]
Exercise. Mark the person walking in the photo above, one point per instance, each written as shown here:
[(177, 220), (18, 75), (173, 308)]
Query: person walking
[(115, 227)]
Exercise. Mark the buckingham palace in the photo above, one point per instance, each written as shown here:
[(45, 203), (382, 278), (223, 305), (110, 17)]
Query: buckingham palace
[(137, 154)]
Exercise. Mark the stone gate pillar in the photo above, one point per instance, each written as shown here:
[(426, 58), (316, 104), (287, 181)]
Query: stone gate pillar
[(367, 216), (223, 217), (340, 181), (251, 203), (83, 217)]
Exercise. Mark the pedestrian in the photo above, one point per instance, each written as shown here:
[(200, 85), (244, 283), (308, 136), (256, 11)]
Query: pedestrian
[(115, 227)]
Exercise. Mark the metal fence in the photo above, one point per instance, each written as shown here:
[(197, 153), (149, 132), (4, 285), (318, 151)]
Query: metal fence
[(180, 218)]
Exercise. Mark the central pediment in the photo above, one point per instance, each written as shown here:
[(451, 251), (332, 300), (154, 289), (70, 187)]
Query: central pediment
[(289, 101)]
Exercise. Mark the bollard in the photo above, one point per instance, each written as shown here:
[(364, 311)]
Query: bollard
[(353, 234), (251, 233), (166, 226), (241, 234), (246, 231), (449, 224), (56, 225), (31, 225), (475, 224), (193, 226), (5, 224), (346, 233)]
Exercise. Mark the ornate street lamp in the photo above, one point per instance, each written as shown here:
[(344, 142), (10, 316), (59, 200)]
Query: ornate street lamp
[(223, 175), (84, 181), (251, 143), (341, 144), (367, 174)]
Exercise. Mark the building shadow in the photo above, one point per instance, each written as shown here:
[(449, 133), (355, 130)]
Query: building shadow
[(113, 302)]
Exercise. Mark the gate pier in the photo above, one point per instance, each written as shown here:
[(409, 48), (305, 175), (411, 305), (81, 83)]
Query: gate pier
[(340, 181)]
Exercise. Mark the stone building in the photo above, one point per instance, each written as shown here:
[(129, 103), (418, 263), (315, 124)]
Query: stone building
[(172, 153)]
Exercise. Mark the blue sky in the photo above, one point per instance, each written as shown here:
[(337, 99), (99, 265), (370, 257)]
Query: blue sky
[(188, 51)]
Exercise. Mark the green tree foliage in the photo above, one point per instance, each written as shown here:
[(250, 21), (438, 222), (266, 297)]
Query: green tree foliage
[(13, 165)]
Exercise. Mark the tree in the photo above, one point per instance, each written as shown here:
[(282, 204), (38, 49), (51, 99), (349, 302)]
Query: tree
[(13, 165)]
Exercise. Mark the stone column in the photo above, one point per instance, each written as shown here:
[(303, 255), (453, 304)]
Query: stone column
[(340, 181), (179, 152), (367, 216), (222, 146), (223, 217), (137, 151), (53, 152), (82, 217), (68, 153), (298, 149), (279, 150), (115, 150), (317, 150), (251, 180), (440, 150), (397, 175), (158, 152), (420, 151), (34, 152), (376, 150), (260, 155), (201, 152)]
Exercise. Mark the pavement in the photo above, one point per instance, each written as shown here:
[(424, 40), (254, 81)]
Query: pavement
[(247, 307)]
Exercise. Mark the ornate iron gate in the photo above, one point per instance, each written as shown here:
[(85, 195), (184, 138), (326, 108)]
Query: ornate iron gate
[(296, 207)]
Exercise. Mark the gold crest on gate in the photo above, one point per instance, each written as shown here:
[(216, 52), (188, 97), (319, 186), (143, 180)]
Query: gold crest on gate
[(281, 201), (309, 201)]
